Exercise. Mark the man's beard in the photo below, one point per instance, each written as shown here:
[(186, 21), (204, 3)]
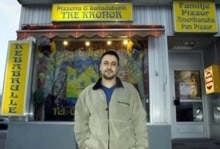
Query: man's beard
[(108, 77)]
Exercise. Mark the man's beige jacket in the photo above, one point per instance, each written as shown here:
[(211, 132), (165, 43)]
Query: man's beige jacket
[(119, 125)]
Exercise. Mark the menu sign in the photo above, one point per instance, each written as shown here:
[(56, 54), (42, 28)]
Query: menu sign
[(195, 17)]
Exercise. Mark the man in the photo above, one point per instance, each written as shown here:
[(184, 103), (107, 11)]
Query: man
[(109, 114)]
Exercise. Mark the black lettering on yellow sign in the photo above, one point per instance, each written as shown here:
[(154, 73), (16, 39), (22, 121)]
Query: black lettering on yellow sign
[(70, 15), (14, 87), (102, 14), (196, 26), (13, 95), (16, 73), (108, 8), (15, 77), (200, 5), (17, 59), (92, 12), (13, 103), (18, 66), (15, 80), (185, 26), (61, 8), (202, 27), (196, 16), (93, 15), (18, 52), (195, 19), (195, 13), (12, 106), (12, 110)]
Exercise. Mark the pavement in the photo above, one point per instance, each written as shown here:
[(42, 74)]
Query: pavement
[(202, 143), (3, 135)]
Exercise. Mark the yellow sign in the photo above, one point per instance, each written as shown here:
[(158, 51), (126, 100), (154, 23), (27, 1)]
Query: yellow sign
[(195, 16), (16, 78), (92, 12), (212, 79)]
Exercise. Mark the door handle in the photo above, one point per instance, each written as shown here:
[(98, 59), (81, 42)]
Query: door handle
[(176, 101)]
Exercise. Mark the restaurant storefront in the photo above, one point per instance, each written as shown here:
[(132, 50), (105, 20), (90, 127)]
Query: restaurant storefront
[(65, 42), (67, 62)]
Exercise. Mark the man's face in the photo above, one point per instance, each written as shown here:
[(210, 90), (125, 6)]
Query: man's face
[(109, 67)]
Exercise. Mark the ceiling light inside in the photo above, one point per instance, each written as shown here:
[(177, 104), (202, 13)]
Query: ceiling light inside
[(125, 42), (109, 42), (87, 43), (65, 43), (185, 45)]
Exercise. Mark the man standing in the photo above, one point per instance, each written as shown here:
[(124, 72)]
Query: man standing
[(109, 114)]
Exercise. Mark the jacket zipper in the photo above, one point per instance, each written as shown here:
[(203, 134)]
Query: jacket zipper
[(108, 127)]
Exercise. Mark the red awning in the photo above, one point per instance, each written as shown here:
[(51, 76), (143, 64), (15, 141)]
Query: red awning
[(77, 31)]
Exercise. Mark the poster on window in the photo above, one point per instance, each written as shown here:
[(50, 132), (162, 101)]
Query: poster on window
[(187, 84)]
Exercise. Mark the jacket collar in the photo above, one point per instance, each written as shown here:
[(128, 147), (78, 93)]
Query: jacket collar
[(98, 84)]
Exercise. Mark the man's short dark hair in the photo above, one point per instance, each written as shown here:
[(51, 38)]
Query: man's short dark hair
[(110, 52)]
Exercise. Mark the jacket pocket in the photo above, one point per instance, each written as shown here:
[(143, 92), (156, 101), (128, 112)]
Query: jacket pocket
[(91, 144)]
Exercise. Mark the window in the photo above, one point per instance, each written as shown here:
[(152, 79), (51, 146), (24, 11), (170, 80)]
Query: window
[(64, 67), (188, 93)]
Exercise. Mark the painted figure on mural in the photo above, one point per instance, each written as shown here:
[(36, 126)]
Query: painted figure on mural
[(45, 49), (136, 52), (51, 78), (63, 71)]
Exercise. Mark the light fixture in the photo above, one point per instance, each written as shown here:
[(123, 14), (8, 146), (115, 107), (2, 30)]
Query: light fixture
[(184, 45), (123, 36), (109, 42), (218, 108), (216, 113), (189, 43), (87, 43), (198, 111), (197, 115), (65, 43), (125, 42)]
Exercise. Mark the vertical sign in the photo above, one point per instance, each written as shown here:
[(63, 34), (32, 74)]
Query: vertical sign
[(16, 78), (212, 79)]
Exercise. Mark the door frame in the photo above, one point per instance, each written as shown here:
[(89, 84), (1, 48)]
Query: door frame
[(187, 129)]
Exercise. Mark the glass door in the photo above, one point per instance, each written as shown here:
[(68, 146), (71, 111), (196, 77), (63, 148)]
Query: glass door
[(188, 117)]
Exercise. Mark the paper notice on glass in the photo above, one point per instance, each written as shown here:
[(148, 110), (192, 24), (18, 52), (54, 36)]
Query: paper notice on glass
[(184, 90)]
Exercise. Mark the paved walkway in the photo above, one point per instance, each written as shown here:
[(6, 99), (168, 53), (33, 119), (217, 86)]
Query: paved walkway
[(195, 144), (3, 134)]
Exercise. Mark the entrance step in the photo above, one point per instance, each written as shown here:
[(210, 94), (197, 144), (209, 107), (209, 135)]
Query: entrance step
[(195, 144)]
